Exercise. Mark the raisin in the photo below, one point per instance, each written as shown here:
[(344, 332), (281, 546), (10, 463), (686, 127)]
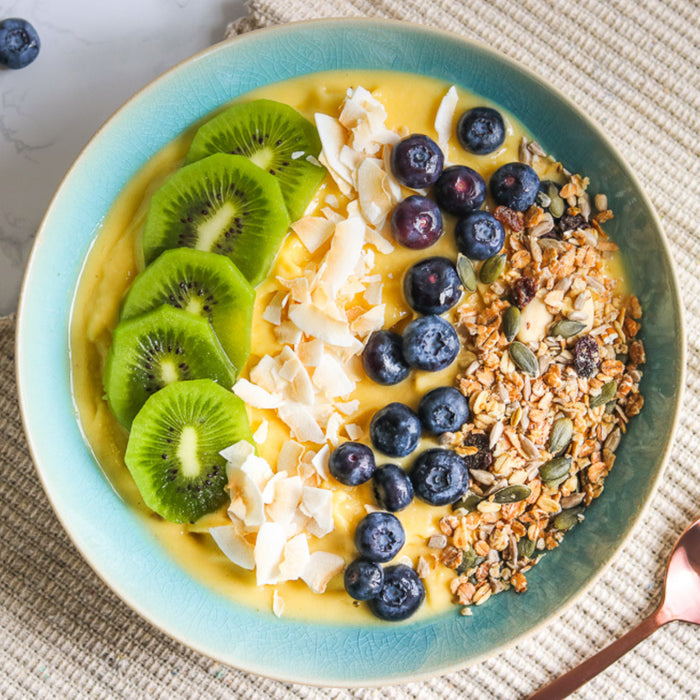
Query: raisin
[(571, 222), (523, 291), (512, 219), (483, 459), (586, 356)]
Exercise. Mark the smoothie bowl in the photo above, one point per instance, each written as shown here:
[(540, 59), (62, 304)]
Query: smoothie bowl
[(416, 312)]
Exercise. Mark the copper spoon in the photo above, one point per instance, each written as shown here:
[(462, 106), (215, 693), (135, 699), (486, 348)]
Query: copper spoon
[(681, 601)]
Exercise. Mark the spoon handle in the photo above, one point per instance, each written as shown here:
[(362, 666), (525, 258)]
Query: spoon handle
[(576, 677)]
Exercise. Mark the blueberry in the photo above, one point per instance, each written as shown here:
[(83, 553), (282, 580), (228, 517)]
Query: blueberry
[(19, 43), (479, 235), (443, 410), (352, 463), (481, 130), (432, 286), (416, 222), (392, 487), (460, 190), (363, 579), (515, 185), (439, 476), (379, 536), (383, 358), (430, 343), (416, 161), (400, 596), (395, 430)]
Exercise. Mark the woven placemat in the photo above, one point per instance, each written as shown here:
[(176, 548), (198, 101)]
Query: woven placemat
[(634, 66)]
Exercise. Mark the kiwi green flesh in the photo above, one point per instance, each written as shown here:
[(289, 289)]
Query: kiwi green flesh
[(174, 444), (222, 204), (158, 348), (204, 284), (275, 137)]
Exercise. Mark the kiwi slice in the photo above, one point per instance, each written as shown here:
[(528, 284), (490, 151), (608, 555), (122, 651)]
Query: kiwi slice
[(155, 349), (174, 444), (222, 204), (275, 137), (202, 283)]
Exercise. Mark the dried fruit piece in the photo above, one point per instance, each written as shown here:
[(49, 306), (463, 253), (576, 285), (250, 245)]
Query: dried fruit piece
[(509, 218), (523, 291), (586, 356), (483, 459)]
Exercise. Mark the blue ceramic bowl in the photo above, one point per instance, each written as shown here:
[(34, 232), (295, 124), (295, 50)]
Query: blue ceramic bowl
[(107, 532)]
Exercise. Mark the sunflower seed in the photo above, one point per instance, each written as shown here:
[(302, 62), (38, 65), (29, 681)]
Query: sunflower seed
[(572, 500), (560, 437), (466, 273), (529, 447), (495, 435), (555, 469), (567, 328), (511, 322), (607, 394), (612, 442), (524, 358), (492, 268), (482, 476), (512, 494)]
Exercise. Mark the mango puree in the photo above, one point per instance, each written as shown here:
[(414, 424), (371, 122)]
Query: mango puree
[(411, 101)]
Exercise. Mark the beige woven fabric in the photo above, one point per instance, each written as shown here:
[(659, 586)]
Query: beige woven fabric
[(634, 66)]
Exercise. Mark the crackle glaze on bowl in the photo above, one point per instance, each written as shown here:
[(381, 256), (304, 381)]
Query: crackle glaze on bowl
[(125, 553)]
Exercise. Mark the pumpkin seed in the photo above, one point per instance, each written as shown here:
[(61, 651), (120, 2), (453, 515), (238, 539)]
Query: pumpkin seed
[(607, 394), (466, 273), (524, 358), (560, 437), (511, 322), (567, 328), (512, 494), (556, 468), (526, 547), (568, 518), (469, 502), (492, 268), (470, 559), (556, 206)]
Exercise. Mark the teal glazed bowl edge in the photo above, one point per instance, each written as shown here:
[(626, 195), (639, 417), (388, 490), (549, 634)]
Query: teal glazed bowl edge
[(119, 547)]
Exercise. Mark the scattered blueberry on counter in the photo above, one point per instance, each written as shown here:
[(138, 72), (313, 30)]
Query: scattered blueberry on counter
[(400, 596), (395, 430), (379, 536), (481, 130), (460, 190), (430, 343), (383, 360), (19, 43), (392, 488), (352, 463), (439, 476), (363, 579), (515, 185), (432, 285), (479, 235), (443, 410), (416, 222), (416, 161)]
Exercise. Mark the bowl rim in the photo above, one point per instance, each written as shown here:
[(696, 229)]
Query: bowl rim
[(392, 25)]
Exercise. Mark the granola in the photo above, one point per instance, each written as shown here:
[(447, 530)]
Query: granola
[(546, 419)]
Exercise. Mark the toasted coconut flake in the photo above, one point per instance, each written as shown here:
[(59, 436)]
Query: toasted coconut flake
[(332, 135), (318, 505), (320, 462), (287, 333), (444, 118), (289, 456), (301, 422), (268, 493), (310, 352), (273, 311), (286, 500), (266, 375), (352, 159), (269, 548), (354, 431), (313, 231), (298, 288), (405, 560), (260, 434), (347, 408), (330, 378), (345, 251), (233, 545), (370, 321), (295, 558), (382, 244), (277, 600), (316, 324), (375, 201), (320, 569), (246, 505), (373, 293), (256, 396), (333, 426), (237, 453)]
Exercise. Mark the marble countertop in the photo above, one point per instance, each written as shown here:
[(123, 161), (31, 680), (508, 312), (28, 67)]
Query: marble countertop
[(94, 56)]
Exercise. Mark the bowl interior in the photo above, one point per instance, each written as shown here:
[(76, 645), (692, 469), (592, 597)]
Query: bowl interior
[(108, 534)]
